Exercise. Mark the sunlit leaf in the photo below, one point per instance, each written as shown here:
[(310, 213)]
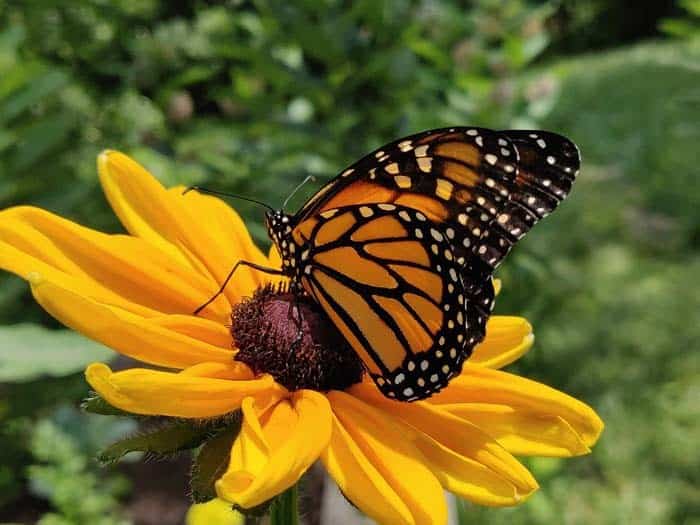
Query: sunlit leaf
[(29, 351), (171, 437)]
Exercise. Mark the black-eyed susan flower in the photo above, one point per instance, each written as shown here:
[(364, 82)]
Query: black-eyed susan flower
[(301, 399)]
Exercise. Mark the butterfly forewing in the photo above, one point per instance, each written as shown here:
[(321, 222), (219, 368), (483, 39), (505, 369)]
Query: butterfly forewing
[(547, 167), (459, 177)]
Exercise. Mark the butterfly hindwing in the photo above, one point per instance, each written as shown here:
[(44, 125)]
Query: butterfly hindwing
[(388, 279)]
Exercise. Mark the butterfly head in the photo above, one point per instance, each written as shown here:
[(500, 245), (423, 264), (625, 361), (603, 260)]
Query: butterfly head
[(279, 228)]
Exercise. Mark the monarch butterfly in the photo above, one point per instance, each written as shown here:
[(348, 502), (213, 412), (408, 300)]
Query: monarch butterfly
[(399, 249)]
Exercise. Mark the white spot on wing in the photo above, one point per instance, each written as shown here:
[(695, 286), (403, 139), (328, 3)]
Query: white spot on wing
[(402, 181), (405, 146), (421, 151), (436, 234), (328, 214), (366, 211), (392, 168), (425, 164)]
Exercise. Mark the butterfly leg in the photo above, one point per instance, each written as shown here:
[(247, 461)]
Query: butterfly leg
[(265, 269), (299, 325)]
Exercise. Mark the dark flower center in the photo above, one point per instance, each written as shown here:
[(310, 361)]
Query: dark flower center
[(290, 338)]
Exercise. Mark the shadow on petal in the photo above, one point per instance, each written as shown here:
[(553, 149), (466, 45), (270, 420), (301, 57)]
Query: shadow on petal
[(467, 460), (539, 404), (390, 447), (507, 339)]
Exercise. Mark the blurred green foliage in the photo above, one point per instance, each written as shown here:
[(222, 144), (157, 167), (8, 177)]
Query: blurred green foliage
[(241, 98), (63, 447), (687, 26), (253, 96), (610, 284), (23, 352), (585, 25)]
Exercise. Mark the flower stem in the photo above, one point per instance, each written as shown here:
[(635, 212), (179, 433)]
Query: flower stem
[(285, 510)]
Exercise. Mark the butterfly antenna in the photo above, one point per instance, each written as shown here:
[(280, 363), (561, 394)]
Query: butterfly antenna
[(295, 190), (224, 194)]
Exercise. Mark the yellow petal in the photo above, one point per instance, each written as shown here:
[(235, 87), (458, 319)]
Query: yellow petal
[(389, 446), (228, 229), (507, 339), (274, 257), (128, 186), (466, 460), (205, 330), (174, 223), (468, 478), (31, 269), (123, 331), (523, 432), (497, 285), (127, 268), (212, 512), (233, 370), (275, 261), (151, 392), (360, 481), (275, 448), (477, 384)]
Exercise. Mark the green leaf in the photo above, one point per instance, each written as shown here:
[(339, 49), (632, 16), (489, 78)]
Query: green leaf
[(193, 75), (692, 6), (211, 462), (679, 27), (39, 88), (173, 437), (29, 351), (97, 405), (40, 138), (17, 77)]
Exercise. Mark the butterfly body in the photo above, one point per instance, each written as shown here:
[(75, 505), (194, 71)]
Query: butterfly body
[(399, 249)]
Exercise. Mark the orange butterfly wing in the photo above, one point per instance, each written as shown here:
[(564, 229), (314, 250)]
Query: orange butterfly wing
[(387, 278), (480, 190), (464, 178)]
